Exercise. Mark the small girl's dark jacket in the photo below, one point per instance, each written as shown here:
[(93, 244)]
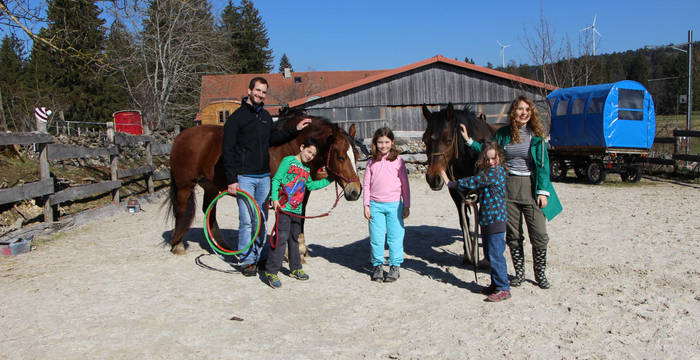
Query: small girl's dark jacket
[(491, 185)]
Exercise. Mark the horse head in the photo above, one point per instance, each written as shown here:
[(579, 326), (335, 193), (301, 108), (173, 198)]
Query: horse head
[(342, 162), (338, 153), (445, 147)]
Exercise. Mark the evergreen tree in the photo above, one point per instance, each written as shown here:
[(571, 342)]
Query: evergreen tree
[(11, 69), (639, 69), (68, 70), (248, 41), (284, 63)]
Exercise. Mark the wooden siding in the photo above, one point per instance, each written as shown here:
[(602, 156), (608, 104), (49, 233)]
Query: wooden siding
[(210, 114), (400, 98)]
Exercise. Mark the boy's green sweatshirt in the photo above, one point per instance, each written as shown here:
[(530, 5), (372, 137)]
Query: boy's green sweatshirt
[(291, 181)]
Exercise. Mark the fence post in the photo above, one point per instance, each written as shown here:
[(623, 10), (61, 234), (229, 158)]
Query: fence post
[(676, 145), (44, 170), (149, 159), (113, 161)]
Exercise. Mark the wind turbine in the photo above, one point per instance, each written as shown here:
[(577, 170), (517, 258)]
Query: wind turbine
[(595, 31), (503, 57)]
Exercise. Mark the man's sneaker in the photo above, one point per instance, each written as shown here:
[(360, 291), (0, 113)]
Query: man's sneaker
[(499, 295), (249, 270), (393, 274), (273, 280), (299, 274), (378, 274)]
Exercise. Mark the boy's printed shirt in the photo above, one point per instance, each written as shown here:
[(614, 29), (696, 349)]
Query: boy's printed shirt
[(290, 183)]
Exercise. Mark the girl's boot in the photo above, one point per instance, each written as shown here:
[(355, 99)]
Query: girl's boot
[(518, 256), (539, 264)]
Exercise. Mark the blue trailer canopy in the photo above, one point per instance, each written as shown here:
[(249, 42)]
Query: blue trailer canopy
[(617, 115)]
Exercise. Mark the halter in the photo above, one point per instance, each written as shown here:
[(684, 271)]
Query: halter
[(455, 149)]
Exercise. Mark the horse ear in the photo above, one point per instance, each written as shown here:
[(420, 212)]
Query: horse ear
[(426, 112), (352, 131), (482, 117)]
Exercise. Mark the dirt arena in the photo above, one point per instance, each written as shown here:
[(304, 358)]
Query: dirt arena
[(624, 263)]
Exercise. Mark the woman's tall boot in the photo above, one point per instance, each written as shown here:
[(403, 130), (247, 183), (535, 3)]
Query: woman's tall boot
[(518, 256), (539, 264)]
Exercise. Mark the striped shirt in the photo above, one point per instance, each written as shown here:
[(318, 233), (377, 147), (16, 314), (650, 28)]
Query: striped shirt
[(518, 154)]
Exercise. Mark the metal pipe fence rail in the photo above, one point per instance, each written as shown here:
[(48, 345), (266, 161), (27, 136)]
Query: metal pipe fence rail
[(45, 189)]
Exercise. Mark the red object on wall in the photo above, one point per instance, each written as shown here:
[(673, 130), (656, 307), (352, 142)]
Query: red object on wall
[(128, 121)]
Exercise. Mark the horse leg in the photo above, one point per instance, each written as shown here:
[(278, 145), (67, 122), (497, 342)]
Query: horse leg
[(182, 200), (209, 196), (303, 250), (457, 199)]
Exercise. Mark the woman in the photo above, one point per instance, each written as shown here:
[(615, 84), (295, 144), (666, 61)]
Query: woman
[(529, 192)]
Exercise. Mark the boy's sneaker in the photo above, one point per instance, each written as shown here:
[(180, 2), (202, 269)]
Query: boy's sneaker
[(393, 274), (299, 274), (378, 274), (273, 280), (499, 295), (249, 270)]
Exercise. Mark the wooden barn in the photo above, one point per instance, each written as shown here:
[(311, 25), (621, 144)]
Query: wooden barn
[(394, 98), (375, 98)]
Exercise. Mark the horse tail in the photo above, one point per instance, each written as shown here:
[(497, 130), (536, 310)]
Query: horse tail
[(173, 205)]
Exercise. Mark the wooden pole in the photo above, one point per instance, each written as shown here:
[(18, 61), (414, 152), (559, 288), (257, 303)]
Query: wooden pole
[(44, 170), (113, 161)]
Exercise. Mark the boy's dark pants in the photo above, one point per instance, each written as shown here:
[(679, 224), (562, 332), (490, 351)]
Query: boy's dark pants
[(288, 229)]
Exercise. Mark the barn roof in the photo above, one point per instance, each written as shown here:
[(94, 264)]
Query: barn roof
[(281, 90), (435, 59)]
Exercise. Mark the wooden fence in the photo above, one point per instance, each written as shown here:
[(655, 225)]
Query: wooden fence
[(676, 140), (48, 151)]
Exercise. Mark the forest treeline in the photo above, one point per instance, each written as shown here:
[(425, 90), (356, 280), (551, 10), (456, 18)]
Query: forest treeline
[(663, 70), (151, 56)]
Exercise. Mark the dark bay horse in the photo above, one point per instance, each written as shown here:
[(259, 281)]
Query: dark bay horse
[(447, 151), (195, 159)]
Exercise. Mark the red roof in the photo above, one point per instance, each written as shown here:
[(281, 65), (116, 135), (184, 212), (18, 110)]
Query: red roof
[(281, 90), (432, 60)]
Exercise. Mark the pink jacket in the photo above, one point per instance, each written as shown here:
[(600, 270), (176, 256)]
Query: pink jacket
[(386, 181)]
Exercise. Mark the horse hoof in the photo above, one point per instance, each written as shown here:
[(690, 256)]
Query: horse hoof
[(178, 249)]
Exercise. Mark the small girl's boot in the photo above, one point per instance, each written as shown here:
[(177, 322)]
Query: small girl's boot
[(539, 264), (518, 256)]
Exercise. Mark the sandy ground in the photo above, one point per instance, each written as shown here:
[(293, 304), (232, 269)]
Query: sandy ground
[(624, 266)]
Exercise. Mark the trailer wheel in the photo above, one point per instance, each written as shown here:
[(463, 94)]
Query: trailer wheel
[(631, 174), (595, 173), (557, 170)]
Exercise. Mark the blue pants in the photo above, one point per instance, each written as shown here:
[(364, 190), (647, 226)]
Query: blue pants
[(496, 244), (259, 189), (386, 222)]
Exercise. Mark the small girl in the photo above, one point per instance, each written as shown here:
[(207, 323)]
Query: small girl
[(491, 184), (287, 195), (387, 199)]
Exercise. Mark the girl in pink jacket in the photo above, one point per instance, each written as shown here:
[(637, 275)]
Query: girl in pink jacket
[(387, 199)]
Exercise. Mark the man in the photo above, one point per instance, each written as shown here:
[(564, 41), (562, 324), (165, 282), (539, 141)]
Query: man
[(248, 134)]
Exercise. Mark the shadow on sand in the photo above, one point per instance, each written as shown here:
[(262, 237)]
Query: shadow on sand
[(423, 243)]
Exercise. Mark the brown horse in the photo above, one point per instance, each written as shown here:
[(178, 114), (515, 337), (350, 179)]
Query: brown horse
[(195, 159), (448, 152)]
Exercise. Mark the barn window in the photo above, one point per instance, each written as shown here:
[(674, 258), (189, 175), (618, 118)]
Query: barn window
[(562, 107), (577, 107), (297, 79), (595, 106), (221, 117)]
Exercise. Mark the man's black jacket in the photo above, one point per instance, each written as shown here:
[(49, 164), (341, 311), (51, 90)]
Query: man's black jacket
[(248, 135)]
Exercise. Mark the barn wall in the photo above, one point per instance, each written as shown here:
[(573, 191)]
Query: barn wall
[(396, 101), (210, 114)]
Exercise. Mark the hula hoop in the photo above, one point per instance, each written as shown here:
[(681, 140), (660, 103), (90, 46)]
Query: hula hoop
[(207, 230)]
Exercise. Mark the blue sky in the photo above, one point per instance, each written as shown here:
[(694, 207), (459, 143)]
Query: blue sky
[(366, 35)]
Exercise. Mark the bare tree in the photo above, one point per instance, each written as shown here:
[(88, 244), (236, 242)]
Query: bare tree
[(172, 52)]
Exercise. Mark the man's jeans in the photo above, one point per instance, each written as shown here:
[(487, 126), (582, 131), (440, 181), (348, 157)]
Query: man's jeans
[(259, 189)]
